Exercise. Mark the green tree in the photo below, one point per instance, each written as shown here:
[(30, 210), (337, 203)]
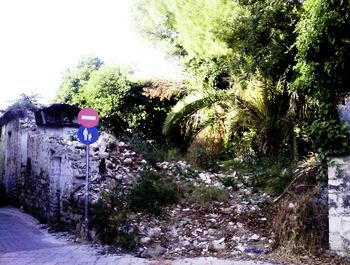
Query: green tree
[(257, 109), (73, 80), (123, 105), (323, 66), (225, 45), (247, 34), (105, 90)]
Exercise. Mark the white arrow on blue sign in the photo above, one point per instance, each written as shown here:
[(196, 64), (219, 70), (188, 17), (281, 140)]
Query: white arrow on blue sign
[(87, 135)]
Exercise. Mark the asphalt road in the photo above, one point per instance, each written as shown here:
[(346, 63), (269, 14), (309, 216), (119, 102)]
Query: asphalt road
[(23, 242)]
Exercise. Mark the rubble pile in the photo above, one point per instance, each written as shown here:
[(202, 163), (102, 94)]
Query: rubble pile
[(111, 163), (190, 230), (220, 229), (196, 231)]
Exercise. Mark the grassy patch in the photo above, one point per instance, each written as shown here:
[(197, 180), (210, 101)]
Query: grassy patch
[(151, 192), (206, 194)]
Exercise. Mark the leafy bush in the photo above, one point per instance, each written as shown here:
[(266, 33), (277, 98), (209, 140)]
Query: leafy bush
[(125, 106), (203, 158), (153, 151), (112, 223), (272, 178), (206, 194), (237, 165), (229, 182), (323, 63), (151, 192)]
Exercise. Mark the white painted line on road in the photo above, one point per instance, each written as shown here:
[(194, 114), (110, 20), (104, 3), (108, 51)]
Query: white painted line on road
[(87, 117)]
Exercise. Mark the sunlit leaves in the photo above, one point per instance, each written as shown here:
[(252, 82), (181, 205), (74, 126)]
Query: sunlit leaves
[(105, 90), (323, 67)]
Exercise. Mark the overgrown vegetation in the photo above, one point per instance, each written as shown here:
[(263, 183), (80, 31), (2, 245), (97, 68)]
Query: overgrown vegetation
[(112, 213), (301, 216), (112, 223), (152, 191), (264, 80), (206, 194), (126, 107)]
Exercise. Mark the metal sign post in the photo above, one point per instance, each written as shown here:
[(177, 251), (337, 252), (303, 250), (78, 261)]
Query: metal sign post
[(87, 193), (87, 134)]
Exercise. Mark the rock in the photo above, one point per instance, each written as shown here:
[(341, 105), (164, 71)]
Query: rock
[(254, 237), (291, 205), (211, 231), (239, 225), (121, 144), (240, 247), (205, 177), (236, 238), (153, 252), (154, 232), (220, 240), (145, 240), (217, 245), (227, 210), (174, 232), (185, 243), (198, 230), (127, 161)]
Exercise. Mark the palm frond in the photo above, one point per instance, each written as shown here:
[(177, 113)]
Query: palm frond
[(191, 105)]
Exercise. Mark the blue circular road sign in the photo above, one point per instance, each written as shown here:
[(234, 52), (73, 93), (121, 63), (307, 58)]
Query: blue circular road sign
[(87, 135)]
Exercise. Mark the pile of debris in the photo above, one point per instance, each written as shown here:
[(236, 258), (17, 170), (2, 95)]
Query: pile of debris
[(217, 229), (112, 163), (195, 231)]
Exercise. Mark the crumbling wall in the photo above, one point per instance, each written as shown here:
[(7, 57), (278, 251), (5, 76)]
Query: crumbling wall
[(339, 205), (36, 165), (43, 165), (13, 152), (9, 161), (48, 171)]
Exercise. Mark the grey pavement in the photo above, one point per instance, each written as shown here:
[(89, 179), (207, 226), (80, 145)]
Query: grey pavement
[(23, 242)]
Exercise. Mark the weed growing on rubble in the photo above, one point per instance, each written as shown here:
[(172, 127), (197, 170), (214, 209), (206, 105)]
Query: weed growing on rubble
[(271, 178), (229, 182), (112, 223), (151, 192), (301, 216), (206, 194), (152, 151)]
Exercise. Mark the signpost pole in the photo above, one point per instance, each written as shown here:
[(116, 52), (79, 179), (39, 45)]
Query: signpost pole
[(87, 193), (88, 134)]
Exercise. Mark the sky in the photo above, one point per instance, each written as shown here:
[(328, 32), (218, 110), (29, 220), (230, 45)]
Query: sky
[(40, 39)]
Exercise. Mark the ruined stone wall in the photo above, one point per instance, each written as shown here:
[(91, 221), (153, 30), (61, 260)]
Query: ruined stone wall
[(48, 172), (339, 205), (41, 167), (13, 153), (9, 161)]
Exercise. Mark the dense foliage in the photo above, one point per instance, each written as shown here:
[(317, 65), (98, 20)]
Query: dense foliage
[(264, 81), (124, 105), (265, 76), (323, 65), (240, 55)]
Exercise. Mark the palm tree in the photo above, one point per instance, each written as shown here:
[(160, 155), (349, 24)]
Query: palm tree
[(259, 107)]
